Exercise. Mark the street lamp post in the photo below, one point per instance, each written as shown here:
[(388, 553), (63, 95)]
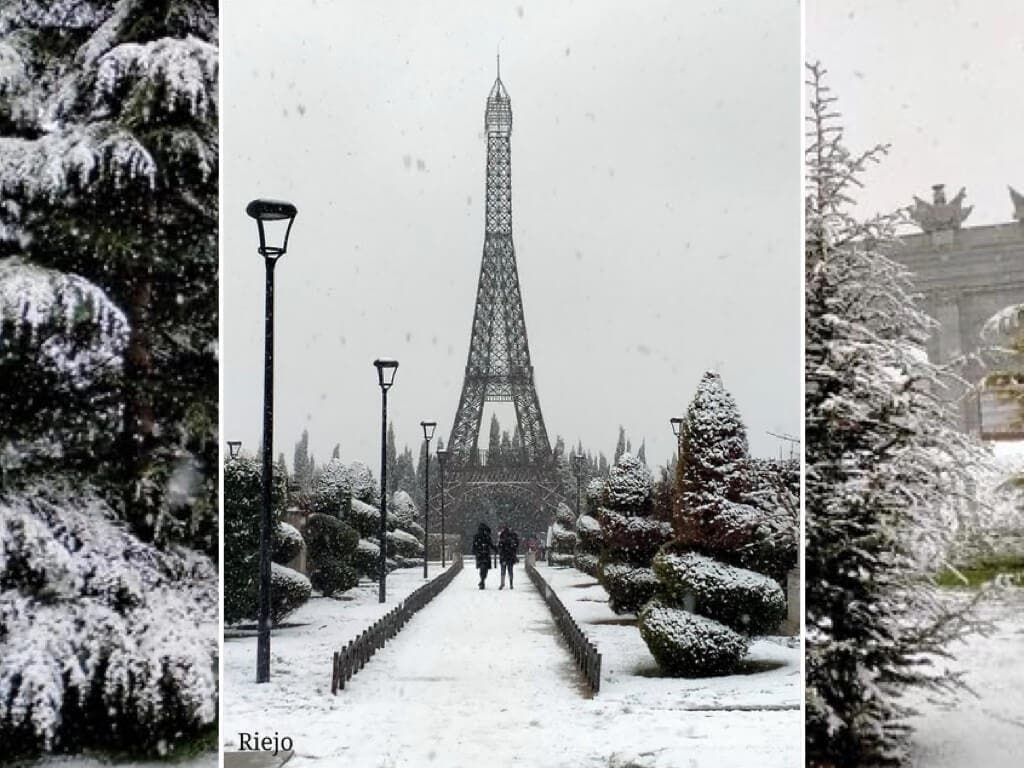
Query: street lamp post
[(266, 211), (677, 425), (442, 459), (386, 369), (234, 448), (428, 434), (577, 464)]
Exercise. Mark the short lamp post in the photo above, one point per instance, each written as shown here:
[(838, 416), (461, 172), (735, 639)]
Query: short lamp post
[(677, 427), (428, 435), (577, 465), (265, 212), (234, 448), (386, 369), (442, 459)]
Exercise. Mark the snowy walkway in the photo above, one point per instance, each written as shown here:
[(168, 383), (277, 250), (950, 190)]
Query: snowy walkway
[(481, 678), (986, 731)]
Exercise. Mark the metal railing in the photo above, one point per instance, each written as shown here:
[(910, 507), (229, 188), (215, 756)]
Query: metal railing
[(353, 657), (583, 651)]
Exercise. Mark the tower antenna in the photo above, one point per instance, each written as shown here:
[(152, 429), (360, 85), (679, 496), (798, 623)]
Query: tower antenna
[(499, 61)]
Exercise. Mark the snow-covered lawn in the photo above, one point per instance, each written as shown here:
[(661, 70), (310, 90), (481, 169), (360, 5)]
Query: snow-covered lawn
[(300, 656), (482, 678), (988, 730)]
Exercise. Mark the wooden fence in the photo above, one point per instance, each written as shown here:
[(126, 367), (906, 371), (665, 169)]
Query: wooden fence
[(356, 653), (583, 651)]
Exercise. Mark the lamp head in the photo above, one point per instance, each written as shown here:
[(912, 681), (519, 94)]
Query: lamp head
[(677, 424), (386, 369), (234, 447), (265, 211), (428, 429)]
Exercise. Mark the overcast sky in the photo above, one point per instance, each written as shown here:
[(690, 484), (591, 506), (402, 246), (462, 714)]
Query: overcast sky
[(939, 80), (656, 198)]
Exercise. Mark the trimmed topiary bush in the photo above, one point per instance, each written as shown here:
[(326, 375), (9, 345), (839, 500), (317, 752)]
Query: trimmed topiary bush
[(364, 518), (288, 543), (289, 589), (402, 512), (632, 539), (563, 537), (366, 559), (686, 644), (404, 545), (743, 600), (589, 534), (628, 586), (332, 545), (629, 486), (588, 564)]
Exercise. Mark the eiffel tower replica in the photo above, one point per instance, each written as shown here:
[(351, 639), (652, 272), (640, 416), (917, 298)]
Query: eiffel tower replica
[(521, 489)]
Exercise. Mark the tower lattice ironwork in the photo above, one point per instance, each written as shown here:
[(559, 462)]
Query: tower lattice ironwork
[(499, 368)]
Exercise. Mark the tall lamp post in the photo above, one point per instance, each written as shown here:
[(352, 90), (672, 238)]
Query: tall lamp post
[(577, 465), (677, 425), (234, 448), (428, 435), (442, 459), (266, 211), (386, 369)]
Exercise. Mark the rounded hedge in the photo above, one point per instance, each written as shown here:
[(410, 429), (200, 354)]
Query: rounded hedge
[(289, 589), (288, 543), (366, 559), (588, 531), (685, 644), (366, 519), (628, 587), (587, 563), (405, 545), (746, 601), (632, 539)]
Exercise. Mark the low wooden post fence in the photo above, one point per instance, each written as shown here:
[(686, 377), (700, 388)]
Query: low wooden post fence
[(584, 652), (354, 655)]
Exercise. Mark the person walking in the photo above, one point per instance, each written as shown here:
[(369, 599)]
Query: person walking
[(483, 546), (508, 549)]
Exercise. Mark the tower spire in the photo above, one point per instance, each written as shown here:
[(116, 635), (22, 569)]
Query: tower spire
[(499, 62)]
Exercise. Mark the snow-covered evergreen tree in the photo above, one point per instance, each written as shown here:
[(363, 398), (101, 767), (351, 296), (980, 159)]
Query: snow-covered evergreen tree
[(630, 536), (108, 172), (563, 544), (883, 460)]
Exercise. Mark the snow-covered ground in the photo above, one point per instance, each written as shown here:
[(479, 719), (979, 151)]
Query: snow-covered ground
[(987, 731), (482, 678)]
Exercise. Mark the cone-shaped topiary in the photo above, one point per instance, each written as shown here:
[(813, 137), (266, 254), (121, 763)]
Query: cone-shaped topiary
[(563, 537)]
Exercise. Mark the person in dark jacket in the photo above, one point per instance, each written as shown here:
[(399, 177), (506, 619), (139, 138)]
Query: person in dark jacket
[(483, 546), (508, 548)]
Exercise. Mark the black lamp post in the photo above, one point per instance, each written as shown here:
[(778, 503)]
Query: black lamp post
[(677, 425), (428, 435), (577, 465), (442, 459), (265, 211), (386, 369), (234, 448)]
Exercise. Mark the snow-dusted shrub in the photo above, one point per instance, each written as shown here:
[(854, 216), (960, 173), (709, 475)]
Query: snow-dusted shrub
[(629, 486), (632, 539), (331, 545), (408, 562), (593, 495), (288, 543), (402, 544), (628, 586), (743, 600), (104, 640), (588, 564), (364, 518), (289, 589), (589, 534), (402, 511), (686, 644), (366, 559), (563, 537), (362, 484), (241, 523), (413, 529), (332, 490)]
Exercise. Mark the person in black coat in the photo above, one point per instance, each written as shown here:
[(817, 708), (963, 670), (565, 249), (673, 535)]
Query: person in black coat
[(508, 549), (482, 549)]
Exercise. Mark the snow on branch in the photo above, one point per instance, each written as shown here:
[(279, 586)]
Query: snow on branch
[(54, 164), (184, 72)]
